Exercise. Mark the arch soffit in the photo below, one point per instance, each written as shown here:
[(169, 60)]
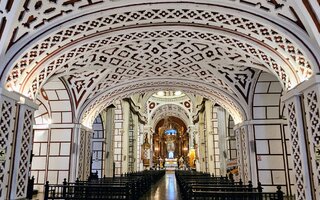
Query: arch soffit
[(163, 115), (54, 94), (89, 110), (49, 14), (147, 95), (232, 76), (274, 38), (163, 110)]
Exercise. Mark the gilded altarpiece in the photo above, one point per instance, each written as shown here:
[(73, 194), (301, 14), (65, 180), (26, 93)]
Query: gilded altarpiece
[(170, 143)]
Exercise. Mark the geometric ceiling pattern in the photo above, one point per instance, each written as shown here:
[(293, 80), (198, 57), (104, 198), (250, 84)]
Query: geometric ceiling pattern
[(267, 34), (209, 62), (234, 106), (98, 47)]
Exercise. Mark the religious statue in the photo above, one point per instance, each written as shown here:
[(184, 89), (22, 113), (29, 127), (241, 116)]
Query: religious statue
[(161, 162), (145, 152), (171, 146), (181, 162)]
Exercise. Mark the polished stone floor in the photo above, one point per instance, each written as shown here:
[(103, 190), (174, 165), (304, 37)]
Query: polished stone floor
[(165, 189)]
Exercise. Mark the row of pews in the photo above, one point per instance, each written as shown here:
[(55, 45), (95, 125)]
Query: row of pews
[(202, 186), (130, 186)]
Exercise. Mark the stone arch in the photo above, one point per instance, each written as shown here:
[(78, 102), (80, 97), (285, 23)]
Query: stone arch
[(162, 111), (54, 65), (53, 134), (98, 149), (267, 98), (264, 140), (55, 103), (259, 30), (91, 109), (33, 34)]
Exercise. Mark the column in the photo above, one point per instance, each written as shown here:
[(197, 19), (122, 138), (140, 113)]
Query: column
[(136, 141), (252, 169), (16, 116), (139, 149), (241, 133), (299, 154), (148, 131), (221, 115), (202, 143), (216, 141), (7, 123), (245, 154), (125, 136), (108, 122), (210, 139), (23, 147), (117, 138), (303, 107), (239, 152), (83, 152), (191, 130), (196, 144), (312, 108)]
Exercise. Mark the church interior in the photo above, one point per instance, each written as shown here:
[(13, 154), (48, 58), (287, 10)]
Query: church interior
[(112, 89)]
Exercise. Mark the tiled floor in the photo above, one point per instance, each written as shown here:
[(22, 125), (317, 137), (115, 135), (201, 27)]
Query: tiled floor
[(38, 197), (165, 189)]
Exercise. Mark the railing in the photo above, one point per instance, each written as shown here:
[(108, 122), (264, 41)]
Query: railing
[(129, 186), (235, 195), (90, 191), (30, 187), (196, 186)]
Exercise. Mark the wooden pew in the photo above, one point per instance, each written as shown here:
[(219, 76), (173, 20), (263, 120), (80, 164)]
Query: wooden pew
[(129, 186), (200, 186)]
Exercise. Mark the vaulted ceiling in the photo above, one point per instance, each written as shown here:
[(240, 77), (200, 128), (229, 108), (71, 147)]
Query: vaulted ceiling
[(104, 50)]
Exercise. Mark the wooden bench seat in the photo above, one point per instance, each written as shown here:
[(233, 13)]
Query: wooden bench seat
[(195, 186), (128, 186)]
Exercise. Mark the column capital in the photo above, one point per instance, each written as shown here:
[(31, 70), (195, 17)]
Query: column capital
[(67, 125), (298, 90), (19, 98), (147, 129), (260, 121), (10, 94)]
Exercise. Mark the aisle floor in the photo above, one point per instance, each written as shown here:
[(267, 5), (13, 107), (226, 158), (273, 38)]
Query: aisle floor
[(165, 189)]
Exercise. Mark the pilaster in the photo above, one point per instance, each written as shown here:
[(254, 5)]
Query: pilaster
[(147, 153), (221, 115), (8, 103), (312, 108), (23, 147), (244, 151), (191, 130), (125, 136), (202, 143), (299, 153), (304, 115), (16, 115), (210, 138), (239, 152), (83, 152), (135, 142), (108, 121)]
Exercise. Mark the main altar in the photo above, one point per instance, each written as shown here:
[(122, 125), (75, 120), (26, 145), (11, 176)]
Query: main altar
[(170, 144), (171, 163)]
